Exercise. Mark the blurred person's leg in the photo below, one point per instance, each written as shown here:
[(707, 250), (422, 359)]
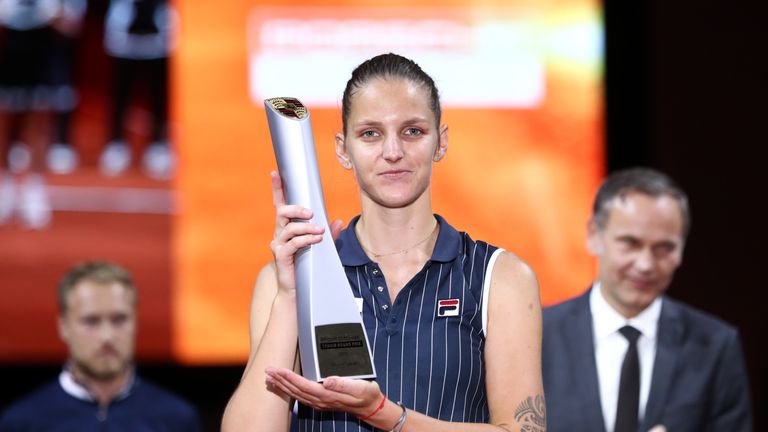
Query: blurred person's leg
[(15, 67), (24, 65), (22, 187), (7, 183), (159, 161), (21, 62), (62, 157), (18, 157), (116, 157), (7, 126), (34, 204)]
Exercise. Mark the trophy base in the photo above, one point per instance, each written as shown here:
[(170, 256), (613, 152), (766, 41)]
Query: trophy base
[(342, 350)]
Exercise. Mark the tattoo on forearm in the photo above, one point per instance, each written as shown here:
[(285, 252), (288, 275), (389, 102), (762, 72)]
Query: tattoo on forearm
[(531, 414)]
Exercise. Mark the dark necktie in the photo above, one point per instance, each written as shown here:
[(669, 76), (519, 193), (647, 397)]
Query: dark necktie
[(629, 387)]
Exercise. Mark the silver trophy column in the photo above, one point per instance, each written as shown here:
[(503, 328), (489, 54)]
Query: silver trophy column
[(332, 339)]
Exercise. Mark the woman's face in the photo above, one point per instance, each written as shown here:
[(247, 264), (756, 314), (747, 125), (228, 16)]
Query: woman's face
[(392, 139)]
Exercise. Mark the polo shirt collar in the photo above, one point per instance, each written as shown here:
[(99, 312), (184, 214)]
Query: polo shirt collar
[(78, 390)]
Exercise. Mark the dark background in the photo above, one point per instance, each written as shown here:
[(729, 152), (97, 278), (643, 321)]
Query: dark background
[(686, 93)]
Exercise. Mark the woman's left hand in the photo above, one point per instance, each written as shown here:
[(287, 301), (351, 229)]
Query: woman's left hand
[(358, 397)]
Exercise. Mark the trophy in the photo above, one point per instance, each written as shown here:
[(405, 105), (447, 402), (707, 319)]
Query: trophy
[(332, 339)]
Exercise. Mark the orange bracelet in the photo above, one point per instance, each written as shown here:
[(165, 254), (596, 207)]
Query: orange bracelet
[(381, 405)]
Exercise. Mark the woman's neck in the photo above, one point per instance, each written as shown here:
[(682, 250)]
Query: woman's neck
[(392, 231)]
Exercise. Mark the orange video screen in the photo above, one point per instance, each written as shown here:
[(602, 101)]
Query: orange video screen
[(521, 89), (520, 85)]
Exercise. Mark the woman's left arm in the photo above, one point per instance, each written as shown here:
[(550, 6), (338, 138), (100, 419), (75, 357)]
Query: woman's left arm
[(513, 348)]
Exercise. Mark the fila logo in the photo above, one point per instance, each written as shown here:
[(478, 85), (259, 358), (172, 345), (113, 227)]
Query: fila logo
[(448, 308)]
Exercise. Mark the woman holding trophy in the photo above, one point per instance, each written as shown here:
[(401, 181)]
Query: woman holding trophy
[(454, 324)]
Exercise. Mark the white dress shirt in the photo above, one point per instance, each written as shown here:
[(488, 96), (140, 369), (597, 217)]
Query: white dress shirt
[(611, 346)]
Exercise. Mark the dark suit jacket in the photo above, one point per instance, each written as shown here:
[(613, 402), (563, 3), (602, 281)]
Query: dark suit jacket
[(699, 380)]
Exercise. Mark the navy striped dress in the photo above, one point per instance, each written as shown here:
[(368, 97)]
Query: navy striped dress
[(428, 344)]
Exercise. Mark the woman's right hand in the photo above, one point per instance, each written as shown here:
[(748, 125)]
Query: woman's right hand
[(292, 233)]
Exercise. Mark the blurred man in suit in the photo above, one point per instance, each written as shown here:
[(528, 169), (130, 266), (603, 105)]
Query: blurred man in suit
[(625, 357)]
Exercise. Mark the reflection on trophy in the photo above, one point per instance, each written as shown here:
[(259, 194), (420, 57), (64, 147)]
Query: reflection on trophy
[(332, 339)]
